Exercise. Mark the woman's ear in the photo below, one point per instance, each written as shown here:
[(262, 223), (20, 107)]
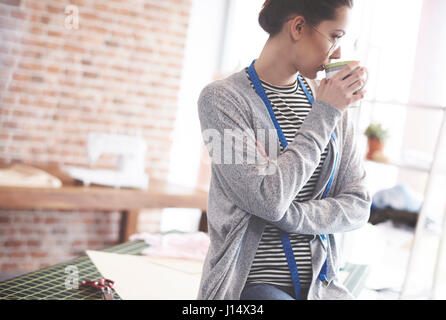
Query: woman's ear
[(297, 27)]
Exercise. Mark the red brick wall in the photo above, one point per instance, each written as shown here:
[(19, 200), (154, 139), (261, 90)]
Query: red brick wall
[(32, 240), (118, 72)]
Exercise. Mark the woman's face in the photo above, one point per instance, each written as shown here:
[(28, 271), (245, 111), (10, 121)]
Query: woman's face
[(312, 49)]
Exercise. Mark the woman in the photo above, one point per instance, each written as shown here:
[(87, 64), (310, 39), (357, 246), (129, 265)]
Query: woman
[(274, 222)]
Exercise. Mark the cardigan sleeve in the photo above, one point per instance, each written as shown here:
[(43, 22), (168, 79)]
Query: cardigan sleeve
[(346, 210), (268, 185)]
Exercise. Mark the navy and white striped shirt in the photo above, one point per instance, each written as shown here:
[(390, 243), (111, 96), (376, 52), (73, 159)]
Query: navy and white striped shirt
[(291, 106)]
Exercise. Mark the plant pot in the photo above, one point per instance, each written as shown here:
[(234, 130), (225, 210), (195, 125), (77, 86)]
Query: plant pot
[(375, 146)]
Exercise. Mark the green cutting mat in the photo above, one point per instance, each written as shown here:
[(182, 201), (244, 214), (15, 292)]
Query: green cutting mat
[(49, 283)]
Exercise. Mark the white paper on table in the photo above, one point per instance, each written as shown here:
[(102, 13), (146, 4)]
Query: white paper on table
[(149, 278)]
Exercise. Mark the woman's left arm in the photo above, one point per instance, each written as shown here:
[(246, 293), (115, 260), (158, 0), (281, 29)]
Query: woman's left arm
[(347, 210)]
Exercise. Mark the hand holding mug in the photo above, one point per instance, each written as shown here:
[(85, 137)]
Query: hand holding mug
[(344, 84)]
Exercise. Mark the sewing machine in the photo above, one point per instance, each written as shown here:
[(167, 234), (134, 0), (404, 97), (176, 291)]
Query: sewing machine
[(130, 170)]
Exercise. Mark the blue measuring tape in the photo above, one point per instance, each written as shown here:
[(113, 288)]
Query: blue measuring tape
[(291, 260)]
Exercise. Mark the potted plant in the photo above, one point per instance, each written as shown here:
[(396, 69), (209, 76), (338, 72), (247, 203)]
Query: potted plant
[(376, 138)]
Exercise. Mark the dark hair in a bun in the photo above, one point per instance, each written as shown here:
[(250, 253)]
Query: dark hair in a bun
[(275, 12)]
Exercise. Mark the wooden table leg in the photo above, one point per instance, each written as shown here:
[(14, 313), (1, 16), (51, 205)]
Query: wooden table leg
[(203, 222), (129, 224)]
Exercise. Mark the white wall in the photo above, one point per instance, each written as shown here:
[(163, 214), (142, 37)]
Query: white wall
[(429, 80)]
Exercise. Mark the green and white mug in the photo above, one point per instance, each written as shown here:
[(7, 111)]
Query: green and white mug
[(333, 68)]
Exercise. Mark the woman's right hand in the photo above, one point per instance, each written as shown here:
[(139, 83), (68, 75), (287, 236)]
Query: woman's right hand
[(339, 90)]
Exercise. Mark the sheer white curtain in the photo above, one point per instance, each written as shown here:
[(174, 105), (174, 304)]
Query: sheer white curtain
[(244, 37), (200, 64)]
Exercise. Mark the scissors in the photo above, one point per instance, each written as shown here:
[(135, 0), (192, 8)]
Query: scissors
[(105, 285)]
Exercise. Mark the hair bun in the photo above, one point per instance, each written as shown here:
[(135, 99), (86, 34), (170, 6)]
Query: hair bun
[(274, 12)]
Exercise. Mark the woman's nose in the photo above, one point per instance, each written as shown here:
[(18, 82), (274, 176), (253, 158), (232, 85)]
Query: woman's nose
[(336, 54)]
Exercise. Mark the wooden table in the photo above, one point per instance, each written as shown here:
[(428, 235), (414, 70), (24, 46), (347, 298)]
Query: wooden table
[(74, 196)]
